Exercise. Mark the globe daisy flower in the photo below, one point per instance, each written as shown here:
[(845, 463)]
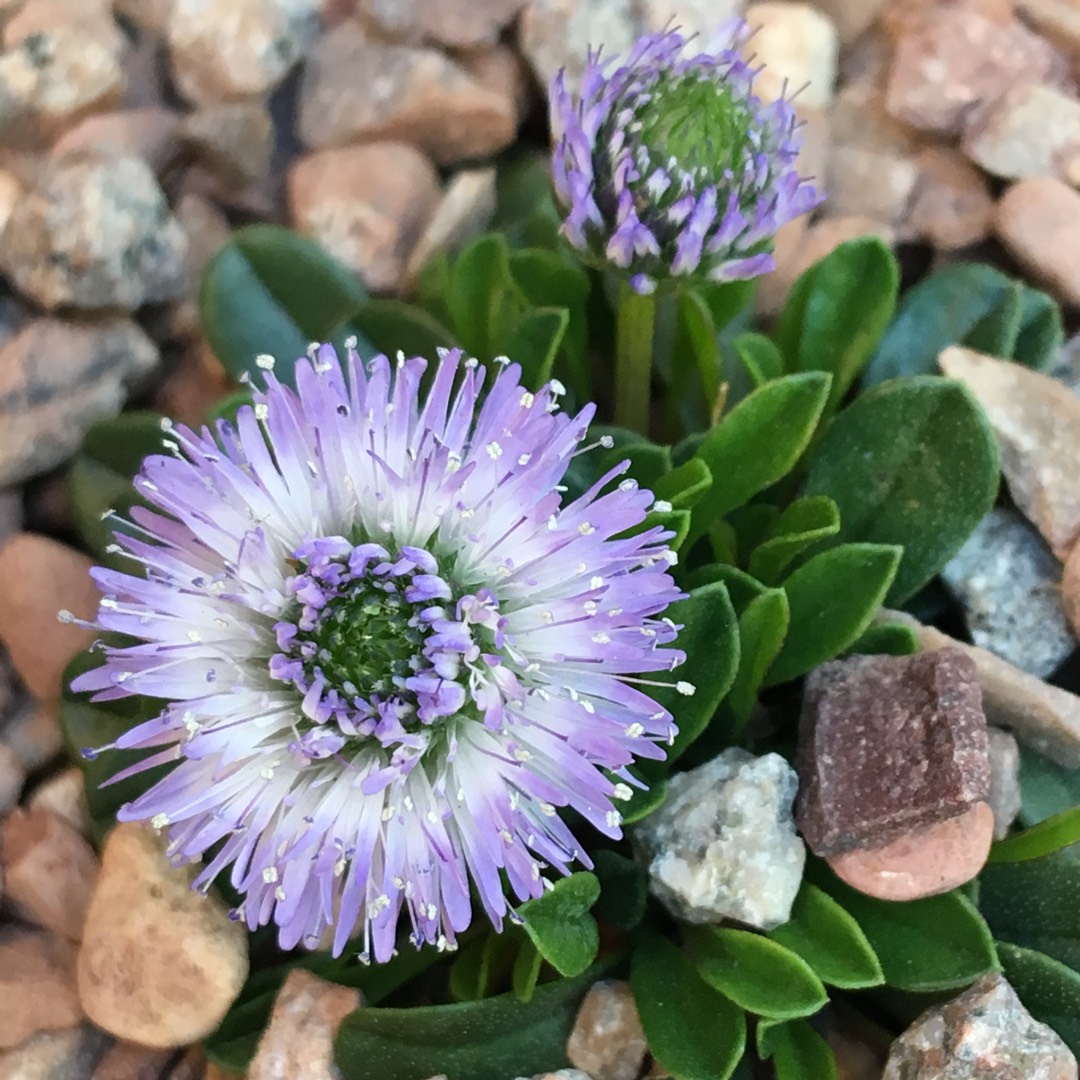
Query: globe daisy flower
[(668, 166), (388, 654)]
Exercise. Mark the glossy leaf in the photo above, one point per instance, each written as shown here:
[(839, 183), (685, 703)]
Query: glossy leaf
[(913, 462), (269, 290), (834, 598), (837, 312), (1048, 989), (685, 486), (803, 523), (798, 1052), (624, 890), (888, 638), (1041, 331), (829, 940), (693, 1031), (534, 342), (392, 325), (760, 357), (757, 973), (561, 926), (763, 625), (1048, 836)]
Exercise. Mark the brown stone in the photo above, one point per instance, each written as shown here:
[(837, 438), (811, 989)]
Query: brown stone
[(924, 862), (65, 796), (888, 744), (414, 95), (12, 778), (34, 734), (1005, 795), (70, 1054), (1056, 20), (1038, 220), (959, 60), (502, 70), (951, 206), (38, 578), (982, 1034), (149, 133), (851, 17), (160, 964), (196, 384), (92, 17), (298, 1044), (459, 24), (129, 1061), (870, 183), (607, 1040), (366, 205), (37, 984), (49, 870), (235, 140), (1037, 423)]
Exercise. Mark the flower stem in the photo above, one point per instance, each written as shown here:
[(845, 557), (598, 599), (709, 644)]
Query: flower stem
[(635, 322)]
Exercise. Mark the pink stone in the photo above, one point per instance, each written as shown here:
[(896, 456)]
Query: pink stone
[(924, 862)]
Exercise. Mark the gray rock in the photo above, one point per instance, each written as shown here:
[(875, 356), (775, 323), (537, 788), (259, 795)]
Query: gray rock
[(1066, 366), (723, 845), (224, 50), (1008, 584), (1005, 796), (95, 233), (235, 140), (12, 778), (984, 1034), (71, 1054), (56, 379)]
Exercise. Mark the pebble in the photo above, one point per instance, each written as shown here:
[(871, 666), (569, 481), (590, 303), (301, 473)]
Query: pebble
[(1031, 130), (961, 58), (1038, 220), (59, 378), (149, 133), (607, 1041), (12, 778), (71, 1054), (408, 94), (298, 1043), (1005, 795), (556, 34), (43, 16), (851, 17), (701, 17), (984, 1034), (888, 744), (1056, 20), (723, 845), (1037, 423), (924, 861), (464, 210), (96, 232), (160, 964), (867, 182), (366, 205), (797, 44), (196, 384), (234, 140), (457, 24), (49, 871), (50, 80), (503, 71), (951, 206), (34, 734), (129, 1061), (63, 795), (37, 984), (1070, 590), (11, 191), (1008, 586), (38, 578), (1044, 717), (150, 16), (223, 50)]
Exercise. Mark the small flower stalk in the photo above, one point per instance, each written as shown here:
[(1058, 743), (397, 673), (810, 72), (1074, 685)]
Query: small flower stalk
[(387, 654), (669, 167)]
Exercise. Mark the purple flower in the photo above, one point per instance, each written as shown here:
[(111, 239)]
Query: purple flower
[(669, 165), (390, 655)]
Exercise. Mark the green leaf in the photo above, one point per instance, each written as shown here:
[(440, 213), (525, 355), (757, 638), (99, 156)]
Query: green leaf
[(644, 801), (1048, 836), (742, 588), (1046, 788), (829, 940), (269, 290), (797, 1050), (804, 522), (480, 965), (491, 1039), (685, 486), (393, 325), (760, 357), (693, 1031), (838, 310), (834, 598), (936, 943), (912, 462), (697, 338), (1048, 989), (526, 971), (759, 442), (100, 477), (227, 407), (996, 332), (560, 925), (534, 342), (763, 625), (1033, 904), (710, 639), (483, 299), (549, 280), (757, 973), (942, 310), (648, 462), (888, 638), (1041, 331), (624, 890)]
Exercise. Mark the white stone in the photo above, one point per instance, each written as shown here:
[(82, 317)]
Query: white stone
[(798, 46), (723, 845), (1005, 797)]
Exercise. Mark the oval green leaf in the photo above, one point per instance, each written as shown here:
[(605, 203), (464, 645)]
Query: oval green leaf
[(1048, 836), (797, 1050), (392, 326), (763, 625), (561, 926), (1049, 990)]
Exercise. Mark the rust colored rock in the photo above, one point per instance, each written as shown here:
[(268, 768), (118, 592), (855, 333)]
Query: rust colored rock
[(924, 862), (607, 1041), (888, 744), (298, 1044), (37, 985)]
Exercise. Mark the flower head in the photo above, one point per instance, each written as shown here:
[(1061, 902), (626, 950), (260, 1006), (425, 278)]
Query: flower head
[(669, 165), (388, 654)]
